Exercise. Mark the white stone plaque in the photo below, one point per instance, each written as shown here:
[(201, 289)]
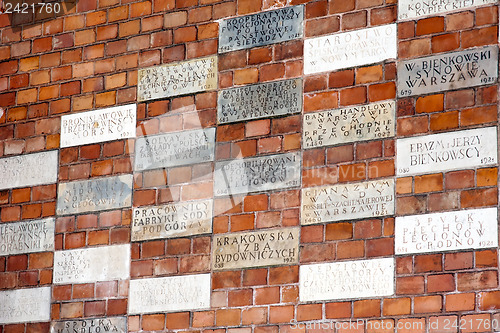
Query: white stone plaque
[(350, 49), (98, 125), (448, 231), (356, 123), (446, 151), (94, 195), (29, 170), (27, 236), (342, 202), (172, 220), (346, 280), (414, 9), (185, 77), (256, 249), (169, 294), (25, 305), (174, 149), (94, 325), (94, 264)]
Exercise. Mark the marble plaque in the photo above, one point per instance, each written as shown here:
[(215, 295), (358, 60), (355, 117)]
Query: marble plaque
[(25, 305), (104, 263), (449, 71), (261, 100), (346, 280), (29, 170), (260, 29), (169, 294), (257, 174), (27, 236), (342, 202), (94, 195), (414, 9), (256, 249), (350, 49), (95, 325), (98, 125), (174, 149), (185, 77), (355, 123), (172, 220), (449, 231), (446, 151)]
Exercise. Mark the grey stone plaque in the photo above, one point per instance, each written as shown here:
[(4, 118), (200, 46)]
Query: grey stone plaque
[(94, 195), (25, 305), (454, 70), (174, 149), (29, 170), (256, 249), (257, 174), (95, 325), (355, 123), (172, 220), (27, 236), (260, 29), (412, 9), (176, 79), (261, 100), (341, 202)]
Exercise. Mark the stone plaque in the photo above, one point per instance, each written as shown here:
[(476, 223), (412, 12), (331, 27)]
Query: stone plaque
[(95, 325), (257, 174), (449, 231), (355, 123), (346, 280), (98, 126), (104, 263), (174, 149), (261, 100), (27, 236), (412, 9), (256, 249), (454, 70), (260, 29), (94, 195), (446, 151), (169, 294), (350, 49), (185, 77), (29, 170), (25, 305), (172, 220), (342, 202)]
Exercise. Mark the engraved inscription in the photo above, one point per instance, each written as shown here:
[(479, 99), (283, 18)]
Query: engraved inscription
[(411, 9), (27, 236), (95, 325), (25, 305)]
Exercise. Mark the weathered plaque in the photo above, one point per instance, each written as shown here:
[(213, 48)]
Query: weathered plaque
[(174, 149), (454, 70), (413, 9), (448, 231), (29, 170), (27, 236), (346, 280), (95, 325), (260, 29), (257, 174), (261, 100), (98, 125), (350, 49), (256, 249), (446, 151), (94, 195), (355, 123), (25, 305), (169, 294), (172, 220), (94, 264), (185, 77), (341, 202)]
